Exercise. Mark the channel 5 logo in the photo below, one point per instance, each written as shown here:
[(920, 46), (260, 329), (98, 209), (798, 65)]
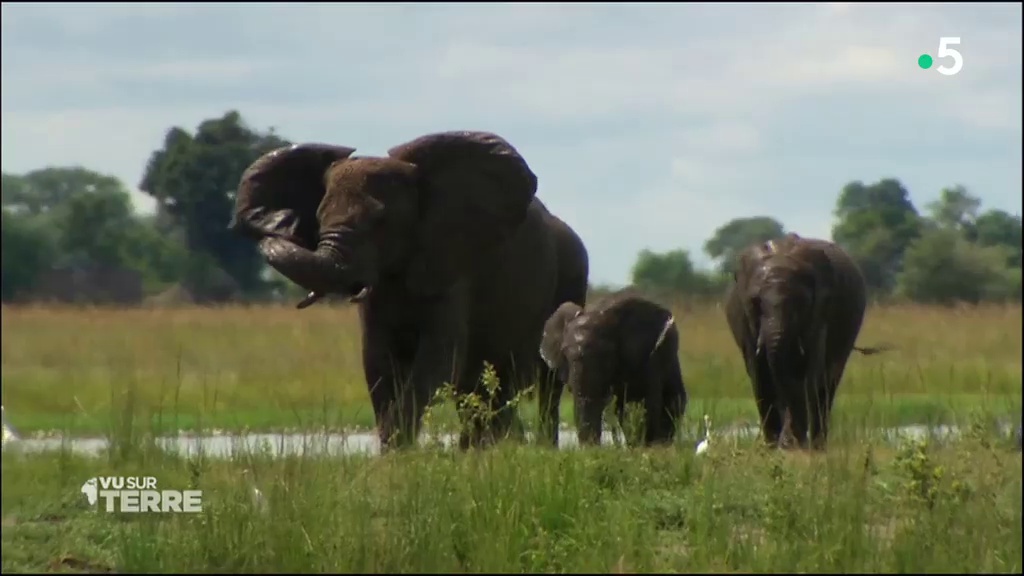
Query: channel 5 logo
[(946, 50)]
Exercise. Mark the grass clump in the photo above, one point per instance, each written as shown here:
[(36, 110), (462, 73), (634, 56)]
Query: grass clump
[(862, 507)]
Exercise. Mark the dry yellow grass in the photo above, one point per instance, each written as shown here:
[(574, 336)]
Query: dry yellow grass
[(260, 359)]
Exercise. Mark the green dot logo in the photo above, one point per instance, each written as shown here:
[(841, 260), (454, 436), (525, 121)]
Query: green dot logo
[(948, 58)]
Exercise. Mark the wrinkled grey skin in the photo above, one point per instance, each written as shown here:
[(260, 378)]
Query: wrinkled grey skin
[(795, 310), (623, 345), (451, 258)]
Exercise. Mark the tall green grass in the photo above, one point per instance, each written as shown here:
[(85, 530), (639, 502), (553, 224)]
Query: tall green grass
[(273, 368), (861, 507)]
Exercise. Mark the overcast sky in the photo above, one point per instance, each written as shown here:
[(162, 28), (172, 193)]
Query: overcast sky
[(647, 125)]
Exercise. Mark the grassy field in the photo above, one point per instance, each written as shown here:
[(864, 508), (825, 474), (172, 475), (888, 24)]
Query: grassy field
[(516, 508), (276, 368), (864, 506)]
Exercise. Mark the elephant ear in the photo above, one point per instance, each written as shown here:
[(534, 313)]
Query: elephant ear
[(744, 282), (279, 193), (475, 189), (554, 333)]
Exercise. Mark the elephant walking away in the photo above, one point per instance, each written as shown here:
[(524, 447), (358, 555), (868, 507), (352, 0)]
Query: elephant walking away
[(795, 310), (623, 345), (451, 258)]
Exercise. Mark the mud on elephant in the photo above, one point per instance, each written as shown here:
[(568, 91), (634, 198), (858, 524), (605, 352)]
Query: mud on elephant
[(623, 345), (795, 310), (451, 258)]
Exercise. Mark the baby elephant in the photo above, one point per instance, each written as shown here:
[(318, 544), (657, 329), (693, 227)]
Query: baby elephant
[(623, 345)]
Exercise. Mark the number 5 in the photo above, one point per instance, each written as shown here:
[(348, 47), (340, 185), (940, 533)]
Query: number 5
[(945, 50)]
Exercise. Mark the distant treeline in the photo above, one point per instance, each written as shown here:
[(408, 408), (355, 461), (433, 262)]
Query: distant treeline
[(71, 234)]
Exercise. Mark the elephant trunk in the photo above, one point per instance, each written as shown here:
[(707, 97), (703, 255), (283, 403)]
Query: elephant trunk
[(770, 343), (780, 350), (320, 271), (781, 343), (588, 412)]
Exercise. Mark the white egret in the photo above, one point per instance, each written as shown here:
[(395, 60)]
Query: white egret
[(258, 501), (703, 446), (9, 433)]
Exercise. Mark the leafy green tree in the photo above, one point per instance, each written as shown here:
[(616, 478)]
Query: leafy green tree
[(193, 179), (88, 220), (996, 230), (875, 224), (96, 227), (670, 273), (41, 191), (999, 228), (943, 267), (956, 209), (731, 238), (27, 250)]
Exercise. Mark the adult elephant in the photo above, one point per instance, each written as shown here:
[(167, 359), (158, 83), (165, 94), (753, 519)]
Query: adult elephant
[(795, 310), (451, 258)]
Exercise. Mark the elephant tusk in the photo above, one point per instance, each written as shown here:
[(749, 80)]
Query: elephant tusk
[(664, 332), (310, 299), (361, 296)]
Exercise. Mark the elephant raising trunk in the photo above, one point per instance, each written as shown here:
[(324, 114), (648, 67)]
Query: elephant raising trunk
[(315, 270), (452, 259), (278, 199)]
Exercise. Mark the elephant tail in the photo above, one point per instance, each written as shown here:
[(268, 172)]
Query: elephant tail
[(869, 350)]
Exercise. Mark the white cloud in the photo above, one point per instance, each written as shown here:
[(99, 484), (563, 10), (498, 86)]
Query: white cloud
[(646, 127), (725, 137)]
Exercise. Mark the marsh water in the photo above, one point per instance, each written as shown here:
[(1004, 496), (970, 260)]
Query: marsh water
[(226, 445)]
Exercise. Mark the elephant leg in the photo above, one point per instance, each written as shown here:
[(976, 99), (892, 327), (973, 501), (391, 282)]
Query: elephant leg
[(668, 421), (659, 427), (770, 409), (673, 399), (799, 401), (624, 401), (819, 402), (673, 406), (588, 413), (414, 397), (470, 384), (522, 374), (501, 416), (549, 399), (826, 399), (820, 416), (515, 374), (439, 355), (505, 418), (820, 387), (386, 372), (655, 431)]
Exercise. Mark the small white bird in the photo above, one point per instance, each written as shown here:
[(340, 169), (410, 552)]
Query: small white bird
[(258, 501), (702, 447), (10, 434)]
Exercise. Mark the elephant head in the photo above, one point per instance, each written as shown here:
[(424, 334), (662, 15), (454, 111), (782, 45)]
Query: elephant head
[(597, 349), (785, 290), (552, 338), (421, 216)]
